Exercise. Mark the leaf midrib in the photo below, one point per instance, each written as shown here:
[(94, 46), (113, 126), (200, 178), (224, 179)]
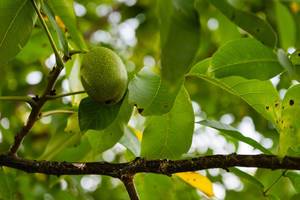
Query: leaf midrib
[(12, 22), (216, 68)]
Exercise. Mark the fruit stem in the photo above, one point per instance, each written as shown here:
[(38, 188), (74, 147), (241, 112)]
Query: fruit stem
[(59, 60)]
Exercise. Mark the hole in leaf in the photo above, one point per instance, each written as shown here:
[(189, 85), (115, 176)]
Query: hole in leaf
[(298, 54), (232, 16), (291, 102), (140, 110), (276, 104), (267, 107), (108, 101)]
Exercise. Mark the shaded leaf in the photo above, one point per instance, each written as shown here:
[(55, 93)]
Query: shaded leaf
[(96, 116), (102, 140), (7, 186), (62, 140), (64, 9), (170, 135), (234, 133), (63, 43), (180, 34), (257, 27), (17, 19), (247, 177)]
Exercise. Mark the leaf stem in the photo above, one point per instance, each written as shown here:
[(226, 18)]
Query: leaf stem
[(17, 98), (59, 60), (64, 95), (53, 112)]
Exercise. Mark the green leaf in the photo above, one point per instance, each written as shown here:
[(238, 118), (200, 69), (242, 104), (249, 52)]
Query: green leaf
[(152, 95), (153, 185), (96, 116), (234, 133), (247, 58), (286, 26), (247, 177), (17, 19), (286, 63), (295, 179), (257, 27), (180, 34), (64, 9), (102, 140), (261, 95), (170, 135), (288, 123), (7, 186), (63, 43), (61, 140), (38, 40)]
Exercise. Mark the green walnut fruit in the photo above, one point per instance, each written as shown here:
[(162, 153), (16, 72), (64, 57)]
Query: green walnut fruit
[(103, 75)]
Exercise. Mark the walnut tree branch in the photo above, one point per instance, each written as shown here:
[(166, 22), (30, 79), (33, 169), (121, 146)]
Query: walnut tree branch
[(139, 165)]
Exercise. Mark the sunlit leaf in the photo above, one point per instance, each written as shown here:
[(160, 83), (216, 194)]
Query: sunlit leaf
[(286, 26), (170, 135), (247, 58), (261, 95), (288, 122), (198, 181), (295, 179), (234, 133)]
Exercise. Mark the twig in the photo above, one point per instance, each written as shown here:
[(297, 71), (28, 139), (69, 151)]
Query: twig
[(40, 101), (130, 187), (18, 98), (59, 60)]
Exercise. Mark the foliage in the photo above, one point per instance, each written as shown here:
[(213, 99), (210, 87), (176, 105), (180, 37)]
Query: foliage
[(205, 77)]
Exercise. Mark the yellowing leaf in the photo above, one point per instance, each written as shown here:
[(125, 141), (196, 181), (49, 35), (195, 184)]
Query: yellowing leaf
[(294, 7), (60, 23), (198, 181), (137, 133)]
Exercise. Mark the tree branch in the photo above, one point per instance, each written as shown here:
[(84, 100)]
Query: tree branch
[(166, 167)]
